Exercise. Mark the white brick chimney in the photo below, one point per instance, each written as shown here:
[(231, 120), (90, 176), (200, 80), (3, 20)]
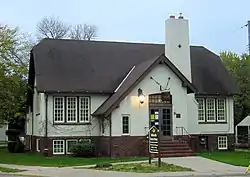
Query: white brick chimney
[(177, 48)]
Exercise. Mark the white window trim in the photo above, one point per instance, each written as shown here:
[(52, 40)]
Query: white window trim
[(67, 150), (211, 109), (223, 148), (204, 110), (58, 153), (67, 115), (79, 114), (38, 145), (126, 115), (54, 112), (225, 115)]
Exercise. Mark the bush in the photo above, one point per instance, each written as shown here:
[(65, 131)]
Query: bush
[(14, 144), (83, 149), (103, 165)]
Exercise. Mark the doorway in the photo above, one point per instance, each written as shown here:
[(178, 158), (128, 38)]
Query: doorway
[(160, 110)]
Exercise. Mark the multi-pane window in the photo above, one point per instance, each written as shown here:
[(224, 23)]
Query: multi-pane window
[(201, 109), (59, 109), (58, 146), (211, 109), (210, 103), (125, 124), (222, 142), (221, 110), (84, 111), (69, 145), (71, 109)]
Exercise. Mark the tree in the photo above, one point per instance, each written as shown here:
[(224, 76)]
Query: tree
[(83, 32), (14, 52), (51, 27), (239, 67)]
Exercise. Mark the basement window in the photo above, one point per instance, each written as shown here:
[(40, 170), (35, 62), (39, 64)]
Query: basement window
[(58, 147), (70, 145), (222, 143)]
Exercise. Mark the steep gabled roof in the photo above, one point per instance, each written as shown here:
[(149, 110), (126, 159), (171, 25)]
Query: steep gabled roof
[(136, 75), (99, 67)]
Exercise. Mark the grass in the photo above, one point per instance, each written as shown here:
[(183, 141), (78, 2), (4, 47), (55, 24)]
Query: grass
[(32, 159), (238, 158), (143, 168), (10, 170)]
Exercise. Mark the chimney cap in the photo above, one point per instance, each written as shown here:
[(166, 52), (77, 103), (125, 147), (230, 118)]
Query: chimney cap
[(180, 16), (171, 16)]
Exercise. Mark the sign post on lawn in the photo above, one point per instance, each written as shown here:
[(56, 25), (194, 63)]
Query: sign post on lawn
[(153, 141)]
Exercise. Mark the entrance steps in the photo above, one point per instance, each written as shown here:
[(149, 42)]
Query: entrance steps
[(175, 148)]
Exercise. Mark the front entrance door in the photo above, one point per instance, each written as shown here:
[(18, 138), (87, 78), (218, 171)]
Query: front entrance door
[(161, 117)]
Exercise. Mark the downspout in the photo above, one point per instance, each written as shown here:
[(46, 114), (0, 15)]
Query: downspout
[(110, 134), (46, 126)]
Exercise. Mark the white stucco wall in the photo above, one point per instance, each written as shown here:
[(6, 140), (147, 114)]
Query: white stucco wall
[(76, 130), (3, 128), (139, 113), (195, 128)]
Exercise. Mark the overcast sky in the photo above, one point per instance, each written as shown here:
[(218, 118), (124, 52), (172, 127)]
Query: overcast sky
[(215, 24)]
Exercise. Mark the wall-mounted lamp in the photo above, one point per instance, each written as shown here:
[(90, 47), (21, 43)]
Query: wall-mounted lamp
[(141, 96)]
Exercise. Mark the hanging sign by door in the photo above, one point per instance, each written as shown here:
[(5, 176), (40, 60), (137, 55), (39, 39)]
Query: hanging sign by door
[(153, 140)]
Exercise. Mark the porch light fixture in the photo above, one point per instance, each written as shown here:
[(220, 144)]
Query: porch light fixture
[(141, 96)]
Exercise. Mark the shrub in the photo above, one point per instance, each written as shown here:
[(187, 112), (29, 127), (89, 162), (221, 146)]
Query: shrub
[(14, 144), (83, 149), (103, 165)]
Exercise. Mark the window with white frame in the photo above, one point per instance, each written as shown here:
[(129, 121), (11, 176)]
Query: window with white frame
[(125, 124), (201, 109), (69, 145), (222, 142), (210, 105), (38, 145), (84, 109), (58, 147), (71, 109), (58, 109), (221, 110)]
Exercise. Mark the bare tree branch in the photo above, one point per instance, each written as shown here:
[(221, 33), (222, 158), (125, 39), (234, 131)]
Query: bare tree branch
[(83, 32), (51, 27)]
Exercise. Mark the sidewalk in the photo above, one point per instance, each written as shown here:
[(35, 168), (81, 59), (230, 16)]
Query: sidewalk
[(202, 167)]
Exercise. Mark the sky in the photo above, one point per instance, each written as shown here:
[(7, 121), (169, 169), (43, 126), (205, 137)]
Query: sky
[(215, 24)]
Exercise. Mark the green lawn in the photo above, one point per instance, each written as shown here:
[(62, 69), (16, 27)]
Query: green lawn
[(39, 160), (238, 158), (143, 168), (9, 170)]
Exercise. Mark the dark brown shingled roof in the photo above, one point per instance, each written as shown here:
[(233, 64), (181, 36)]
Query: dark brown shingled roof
[(137, 74), (99, 67)]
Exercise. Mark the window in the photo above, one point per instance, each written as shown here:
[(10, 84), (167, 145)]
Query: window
[(58, 146), (71, 109), (125, 124), (210, 109), (221, 110), (201, 109), (222, 142), (38, 145), (59, 109), (84, 111), (69, 145)]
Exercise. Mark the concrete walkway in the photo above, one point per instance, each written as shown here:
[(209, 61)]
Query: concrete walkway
[(202, 167)]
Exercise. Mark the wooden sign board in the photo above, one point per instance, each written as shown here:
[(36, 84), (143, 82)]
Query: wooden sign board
[(153, 140)]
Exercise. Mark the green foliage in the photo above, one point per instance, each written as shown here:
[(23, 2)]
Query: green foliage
[(14, 57), (83, 149), (239, 67)]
